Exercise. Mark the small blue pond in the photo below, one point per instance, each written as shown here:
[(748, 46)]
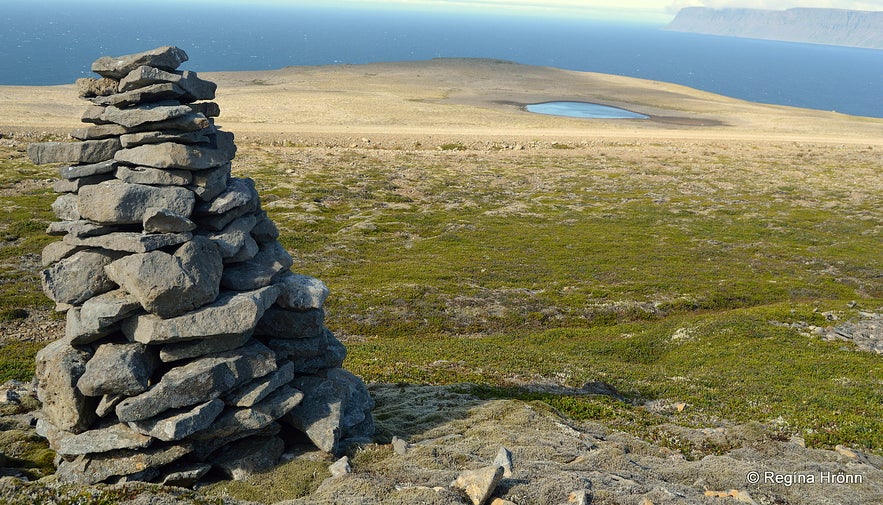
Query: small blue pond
[(583, 110)]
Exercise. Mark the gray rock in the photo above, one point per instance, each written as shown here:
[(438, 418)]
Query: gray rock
[(169, 285), (153, 176), (249, 456), (179, 424), (65, 207), (194, 88), (159, 220), (256, 417), (57, 251), (185, 474), (95, 468), (332, 358), (152, 93), (357, 403), (78, 277), (234, 236), (249, 250), (88, 87), (259, 271), (238, 193), (78, 171), (230, 314), (301, 292), (174, 155), (504, 460), (123, 203), (208, 184), (92, 114), (158, 137), (113, 437), (204, 379), (98, 131), (340, 467), (265, 230), (189, 122), (202, 346), (117, 369), (300, 349), (479, 484), (207, 109), (400, 446), (250, 393), (132, 242), (58, 367), (99, 316), (81, 228), (74, 185), (144, 114), (318, 415), (107, 404), (116, 67), (292, 324), (88, 151)]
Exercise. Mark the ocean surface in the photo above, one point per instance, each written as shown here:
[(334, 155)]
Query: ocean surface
[(46, 43)]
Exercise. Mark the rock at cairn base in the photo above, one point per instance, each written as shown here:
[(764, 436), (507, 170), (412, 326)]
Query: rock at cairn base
[(189, 342)]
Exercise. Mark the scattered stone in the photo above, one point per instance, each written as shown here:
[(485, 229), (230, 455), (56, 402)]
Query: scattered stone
[(340, 467), (400, 446), (479, 484), (504, 459)]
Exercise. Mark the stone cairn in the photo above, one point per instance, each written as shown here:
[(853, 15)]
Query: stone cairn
[(189, 344)]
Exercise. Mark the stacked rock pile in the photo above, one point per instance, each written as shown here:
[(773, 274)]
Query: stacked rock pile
[(189, 344)]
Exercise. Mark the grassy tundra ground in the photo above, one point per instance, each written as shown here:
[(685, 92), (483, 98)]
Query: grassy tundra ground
[(466, 242)]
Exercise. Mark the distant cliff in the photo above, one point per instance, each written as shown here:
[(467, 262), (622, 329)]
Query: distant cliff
[(817, 26)]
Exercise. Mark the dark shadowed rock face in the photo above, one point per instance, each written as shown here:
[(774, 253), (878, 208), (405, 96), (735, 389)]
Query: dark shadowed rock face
[(816, 26), (166, 268)]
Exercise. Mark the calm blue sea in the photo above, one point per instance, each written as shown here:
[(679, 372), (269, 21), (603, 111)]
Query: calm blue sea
[(44, 43)]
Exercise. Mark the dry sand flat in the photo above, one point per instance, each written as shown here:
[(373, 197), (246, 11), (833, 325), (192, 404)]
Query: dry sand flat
[(461, 100)]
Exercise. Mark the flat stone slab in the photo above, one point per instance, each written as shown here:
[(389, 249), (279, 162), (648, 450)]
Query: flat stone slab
[(88, 151), (260, 270), (292, 324), (77, 171), (179, 424), (154, 176), (174, 155), (158, 137), (259, 416), (92, 469), (117, 436), (116, 67), (200, 347), (144, 114), (98, 132), (201, 380), (250, 393), (133, 242), (99, 316), (231, 314), (117, 202), (152, 93), (193, 87)]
